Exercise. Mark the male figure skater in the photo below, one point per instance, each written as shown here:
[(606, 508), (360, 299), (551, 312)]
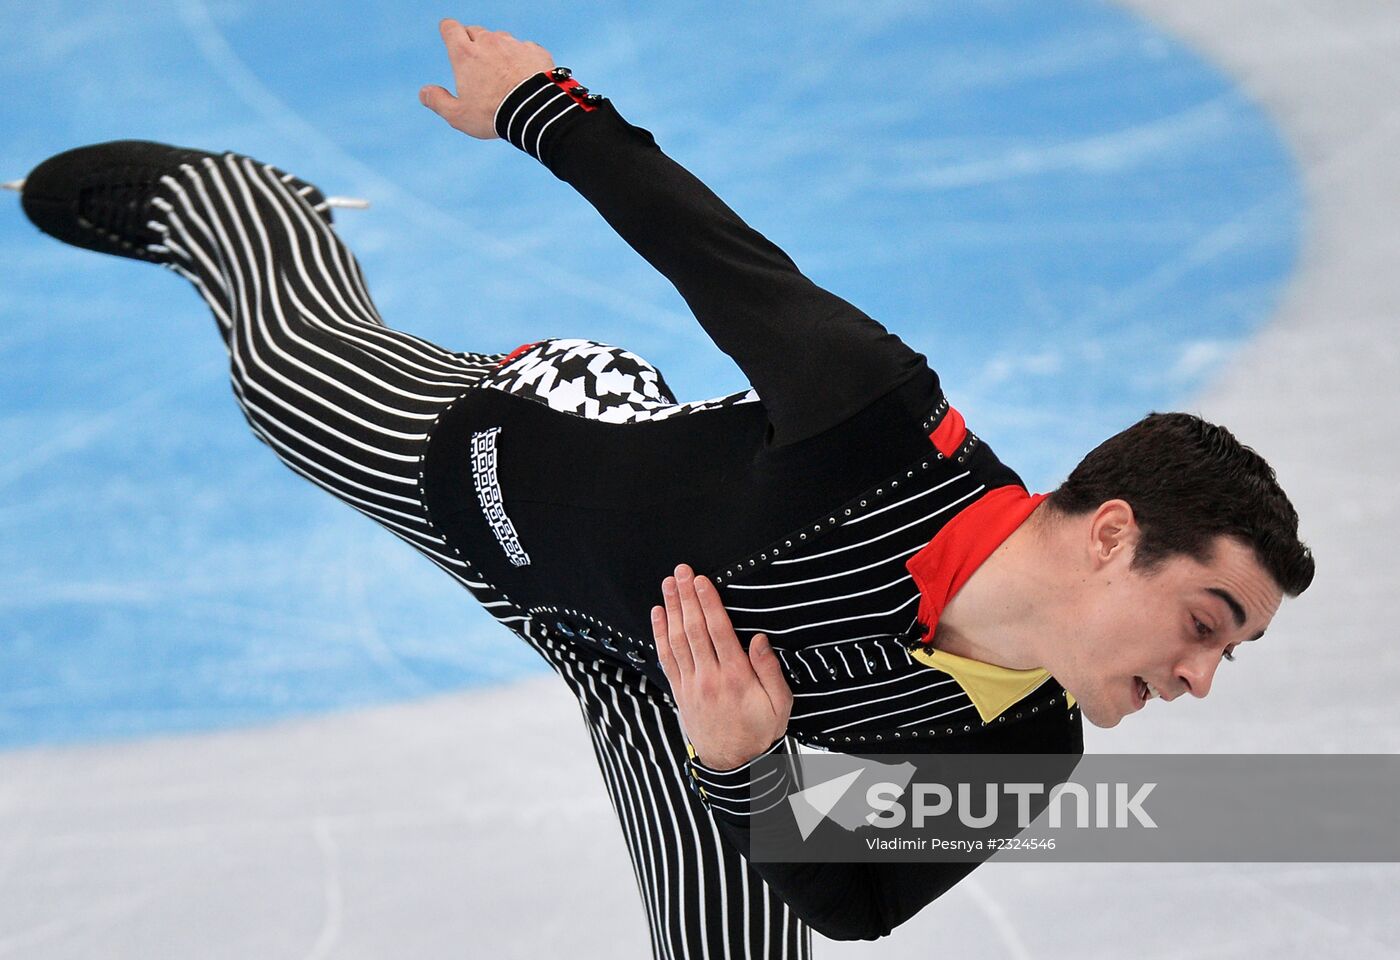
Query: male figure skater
[(888, 583)]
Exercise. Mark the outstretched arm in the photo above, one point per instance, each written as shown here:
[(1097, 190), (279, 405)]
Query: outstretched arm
[(814, 359)]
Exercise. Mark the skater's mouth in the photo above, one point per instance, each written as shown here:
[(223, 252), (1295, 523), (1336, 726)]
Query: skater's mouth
[(1144, 691)]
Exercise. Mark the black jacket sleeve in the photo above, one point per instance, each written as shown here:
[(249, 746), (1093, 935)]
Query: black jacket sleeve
[(814, 359), (841, 901), (864, 901)]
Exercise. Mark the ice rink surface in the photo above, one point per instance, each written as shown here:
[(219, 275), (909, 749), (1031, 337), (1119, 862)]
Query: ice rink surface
[(474, 824)]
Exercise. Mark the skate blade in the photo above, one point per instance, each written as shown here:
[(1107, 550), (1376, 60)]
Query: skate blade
[(344, 203)]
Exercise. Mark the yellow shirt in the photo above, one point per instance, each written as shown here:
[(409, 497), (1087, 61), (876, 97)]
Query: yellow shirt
[(992, 689)]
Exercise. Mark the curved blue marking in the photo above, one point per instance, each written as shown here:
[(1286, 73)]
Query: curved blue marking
[(1076, 218)]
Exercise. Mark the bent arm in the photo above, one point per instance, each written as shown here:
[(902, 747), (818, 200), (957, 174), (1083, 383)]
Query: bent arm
[(734, 706), (814, 359), (841, 901)]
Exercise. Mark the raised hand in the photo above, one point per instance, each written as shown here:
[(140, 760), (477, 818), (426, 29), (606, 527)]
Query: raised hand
[(733, 704), (486, 65)]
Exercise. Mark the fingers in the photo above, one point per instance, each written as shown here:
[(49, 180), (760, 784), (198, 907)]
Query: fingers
[(675, 628), (436, 99), (687, 624), (721, 630), (664, 654), (770, 674), (694, 635), (697, 630), (453, 32)]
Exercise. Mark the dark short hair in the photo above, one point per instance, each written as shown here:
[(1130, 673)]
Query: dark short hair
[(1190, 482)]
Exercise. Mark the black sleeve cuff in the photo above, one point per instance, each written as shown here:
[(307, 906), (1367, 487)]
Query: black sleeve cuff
[(727, 792), (540, 108)]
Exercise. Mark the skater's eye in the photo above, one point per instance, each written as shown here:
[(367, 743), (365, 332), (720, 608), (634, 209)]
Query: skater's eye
[(1230, 654), (1202, 629)]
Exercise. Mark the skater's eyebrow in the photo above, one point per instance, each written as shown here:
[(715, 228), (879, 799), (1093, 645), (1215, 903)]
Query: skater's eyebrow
[(1236, 608)]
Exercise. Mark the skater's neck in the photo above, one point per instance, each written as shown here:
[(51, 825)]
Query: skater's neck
[(1008, 610)]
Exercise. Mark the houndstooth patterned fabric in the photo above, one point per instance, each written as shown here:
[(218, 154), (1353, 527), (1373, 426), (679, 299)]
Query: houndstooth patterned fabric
[(597, 381)]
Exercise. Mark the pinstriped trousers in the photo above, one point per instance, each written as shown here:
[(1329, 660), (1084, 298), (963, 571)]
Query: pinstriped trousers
[(348, 403)]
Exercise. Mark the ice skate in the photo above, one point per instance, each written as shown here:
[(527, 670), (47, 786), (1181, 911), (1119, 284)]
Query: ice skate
[(100, 197)]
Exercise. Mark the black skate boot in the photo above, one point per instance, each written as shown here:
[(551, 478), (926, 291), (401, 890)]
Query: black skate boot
[(99, 197)]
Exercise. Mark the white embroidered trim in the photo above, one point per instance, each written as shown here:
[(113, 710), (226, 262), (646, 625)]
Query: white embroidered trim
[(488, 494)]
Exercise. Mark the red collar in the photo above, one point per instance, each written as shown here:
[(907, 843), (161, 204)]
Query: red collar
[(948, 560)]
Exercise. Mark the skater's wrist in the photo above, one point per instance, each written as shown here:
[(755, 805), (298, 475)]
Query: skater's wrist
[(742, 790), (722, 762), (540, 108), (718, 766)]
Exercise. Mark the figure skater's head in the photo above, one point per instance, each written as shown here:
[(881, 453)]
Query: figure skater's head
[(1183, 545)]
